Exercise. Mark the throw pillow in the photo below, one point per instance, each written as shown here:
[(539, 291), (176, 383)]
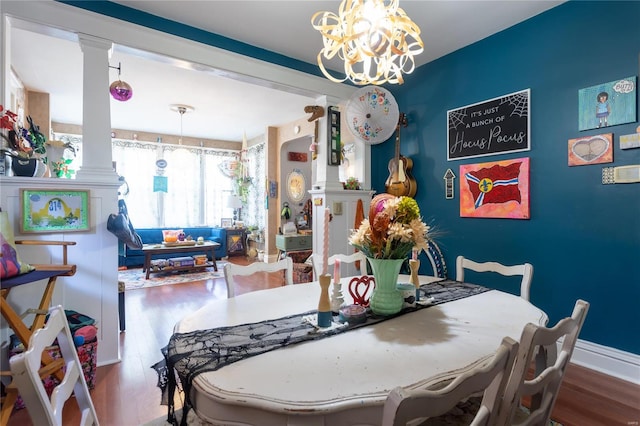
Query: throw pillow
[(11, 265)]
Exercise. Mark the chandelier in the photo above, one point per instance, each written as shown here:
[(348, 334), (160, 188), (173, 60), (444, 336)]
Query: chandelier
[(375, 38)]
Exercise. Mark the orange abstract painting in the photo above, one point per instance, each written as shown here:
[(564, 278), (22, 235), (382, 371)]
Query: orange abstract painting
[(498, 189)]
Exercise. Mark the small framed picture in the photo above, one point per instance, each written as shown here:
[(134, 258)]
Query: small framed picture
[(44, 210), (226, 222)]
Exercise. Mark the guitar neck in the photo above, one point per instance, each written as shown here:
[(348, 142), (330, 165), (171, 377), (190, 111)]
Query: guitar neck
[(402, 121), (397, 155)]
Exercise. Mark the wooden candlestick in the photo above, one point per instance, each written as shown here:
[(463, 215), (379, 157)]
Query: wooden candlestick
[(414, 265), (324, 305)]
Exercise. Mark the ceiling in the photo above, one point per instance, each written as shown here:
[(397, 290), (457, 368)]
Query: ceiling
[(225, 109)]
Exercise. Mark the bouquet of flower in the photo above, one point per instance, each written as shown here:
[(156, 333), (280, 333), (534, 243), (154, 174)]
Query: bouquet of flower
[(23, 142), (393, 229)]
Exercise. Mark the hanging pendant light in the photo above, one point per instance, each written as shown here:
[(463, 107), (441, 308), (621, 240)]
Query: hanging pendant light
[(120, 90), (375, 38), (182, 110)]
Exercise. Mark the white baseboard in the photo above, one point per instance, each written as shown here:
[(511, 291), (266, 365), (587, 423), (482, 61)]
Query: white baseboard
[(607, 360)]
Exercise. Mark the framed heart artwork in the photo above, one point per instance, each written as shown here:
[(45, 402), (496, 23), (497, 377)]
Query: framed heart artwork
[(594, 149)]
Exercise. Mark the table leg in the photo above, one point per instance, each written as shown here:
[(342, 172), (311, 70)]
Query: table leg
[(121, 310), (147, 264), (213, 259)]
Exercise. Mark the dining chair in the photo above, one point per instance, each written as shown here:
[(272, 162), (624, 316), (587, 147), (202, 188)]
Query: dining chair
[(358, 256), (525, 270), (434, 254), (548, 369), (231, 271), (404, 405), (27, 375)]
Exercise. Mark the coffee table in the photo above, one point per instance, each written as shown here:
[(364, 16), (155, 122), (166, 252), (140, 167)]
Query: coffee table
[(169, 250)]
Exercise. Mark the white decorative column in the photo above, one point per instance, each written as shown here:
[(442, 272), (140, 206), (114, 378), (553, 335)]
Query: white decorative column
[(327, 190), (96, 110), (345, 203)]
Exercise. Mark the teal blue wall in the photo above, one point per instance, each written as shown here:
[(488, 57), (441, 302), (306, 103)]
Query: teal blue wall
[(583, 238)]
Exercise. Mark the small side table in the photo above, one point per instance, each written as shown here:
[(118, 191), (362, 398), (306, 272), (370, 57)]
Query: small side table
[(236, 241)]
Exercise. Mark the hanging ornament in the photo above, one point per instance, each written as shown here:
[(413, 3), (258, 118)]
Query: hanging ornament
[(120, 90)]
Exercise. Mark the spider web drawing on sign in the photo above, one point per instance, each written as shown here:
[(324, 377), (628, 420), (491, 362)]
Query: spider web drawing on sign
[(520, 103), (456, 118)]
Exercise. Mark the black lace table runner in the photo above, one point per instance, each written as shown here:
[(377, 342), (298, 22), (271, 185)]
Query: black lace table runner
[(200, 351)]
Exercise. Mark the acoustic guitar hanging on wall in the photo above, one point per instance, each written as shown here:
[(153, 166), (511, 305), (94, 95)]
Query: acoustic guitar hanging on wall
[(400, 182)]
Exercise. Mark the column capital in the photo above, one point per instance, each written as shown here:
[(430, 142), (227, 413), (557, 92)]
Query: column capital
[(87, 40)]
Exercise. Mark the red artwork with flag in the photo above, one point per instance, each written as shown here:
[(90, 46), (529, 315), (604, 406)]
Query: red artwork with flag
[(498, 189)]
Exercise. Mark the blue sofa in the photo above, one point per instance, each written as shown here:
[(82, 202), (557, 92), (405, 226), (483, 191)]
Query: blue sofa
[(130, 257)]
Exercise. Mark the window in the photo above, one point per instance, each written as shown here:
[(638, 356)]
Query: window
[(198, 183), (196, 187)]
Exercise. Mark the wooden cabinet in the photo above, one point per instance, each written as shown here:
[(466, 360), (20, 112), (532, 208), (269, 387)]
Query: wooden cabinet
[(236, 241)]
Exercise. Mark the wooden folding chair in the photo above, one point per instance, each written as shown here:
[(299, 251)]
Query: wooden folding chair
[(49, 272)]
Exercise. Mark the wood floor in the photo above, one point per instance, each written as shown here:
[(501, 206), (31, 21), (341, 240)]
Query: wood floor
[(126, 392)]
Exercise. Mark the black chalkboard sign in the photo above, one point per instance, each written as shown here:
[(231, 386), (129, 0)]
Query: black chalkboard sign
[(490, 127)]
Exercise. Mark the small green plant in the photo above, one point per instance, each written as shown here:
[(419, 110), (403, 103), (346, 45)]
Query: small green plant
[(352, 183)]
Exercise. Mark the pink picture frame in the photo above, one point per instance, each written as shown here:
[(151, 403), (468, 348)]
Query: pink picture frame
[(498, 189)]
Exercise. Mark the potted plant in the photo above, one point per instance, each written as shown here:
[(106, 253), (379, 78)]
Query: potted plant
[(61, 168), (352, 183), (25, 145)]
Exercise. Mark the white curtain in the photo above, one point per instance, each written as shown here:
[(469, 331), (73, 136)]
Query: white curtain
[(197, 190)]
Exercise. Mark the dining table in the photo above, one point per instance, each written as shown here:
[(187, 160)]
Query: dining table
[(344, 378)]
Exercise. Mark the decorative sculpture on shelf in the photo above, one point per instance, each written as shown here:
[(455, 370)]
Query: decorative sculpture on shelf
[(316, 112)]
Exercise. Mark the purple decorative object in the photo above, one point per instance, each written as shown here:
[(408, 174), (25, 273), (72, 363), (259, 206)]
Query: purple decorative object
[(121, 91)]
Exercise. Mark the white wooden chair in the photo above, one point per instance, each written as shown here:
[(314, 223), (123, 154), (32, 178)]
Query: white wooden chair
[(343, 258), (232, 270), (543, 387), (402, 406), (525, 270), (26, 371)]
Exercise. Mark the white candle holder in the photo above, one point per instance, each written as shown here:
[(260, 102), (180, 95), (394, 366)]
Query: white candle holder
[(337, 299)]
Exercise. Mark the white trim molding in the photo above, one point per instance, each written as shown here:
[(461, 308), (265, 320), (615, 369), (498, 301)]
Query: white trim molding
[(607, 360)]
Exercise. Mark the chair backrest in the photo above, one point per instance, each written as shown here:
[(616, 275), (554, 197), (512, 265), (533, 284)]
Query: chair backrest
[(525, 270), (434, 254), (402, 406), (232, 270), (343, 258), (25, 369), (538, 350)]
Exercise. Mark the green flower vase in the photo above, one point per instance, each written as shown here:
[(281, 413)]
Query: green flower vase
[(386, 299)]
